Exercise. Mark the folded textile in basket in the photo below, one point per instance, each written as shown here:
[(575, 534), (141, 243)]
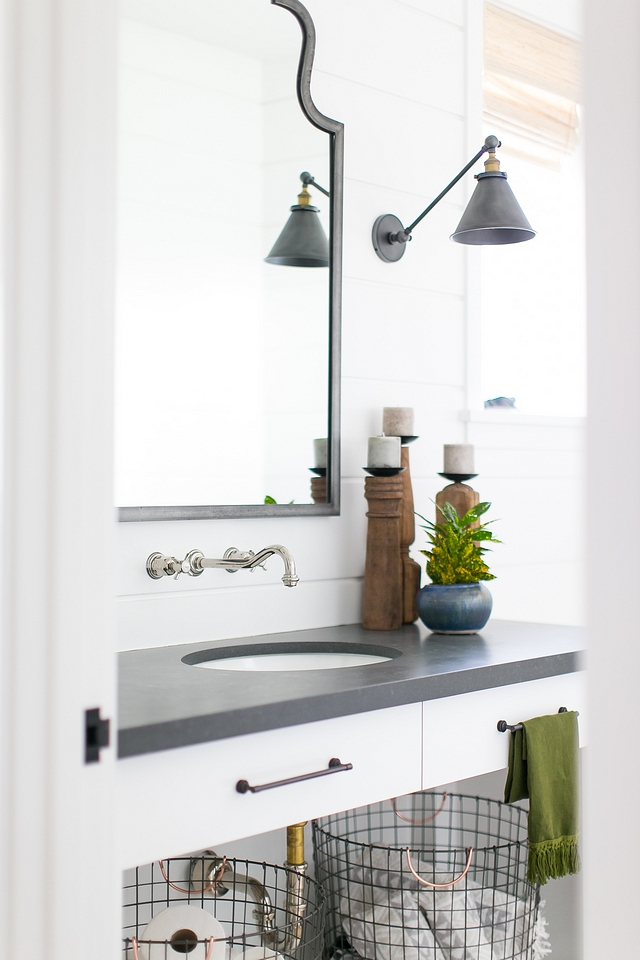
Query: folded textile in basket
[(504, 918), (455, 919), (388, 915), (384, 869), (472, 922), (388, 925)]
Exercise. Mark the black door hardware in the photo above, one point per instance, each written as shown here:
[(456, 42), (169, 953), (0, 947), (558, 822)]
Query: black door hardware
[(96, 735)]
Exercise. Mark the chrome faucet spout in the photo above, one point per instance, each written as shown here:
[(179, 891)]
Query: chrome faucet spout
[(195, 563), (290, 578), (234, 560)]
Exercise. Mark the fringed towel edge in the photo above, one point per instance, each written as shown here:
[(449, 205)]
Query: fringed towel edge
[(551, 859)]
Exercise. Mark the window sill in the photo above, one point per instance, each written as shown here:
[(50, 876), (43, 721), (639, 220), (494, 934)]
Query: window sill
[(502, 415)]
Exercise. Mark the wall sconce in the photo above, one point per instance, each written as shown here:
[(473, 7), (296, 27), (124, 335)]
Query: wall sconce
[(302, 242), (493, 214)]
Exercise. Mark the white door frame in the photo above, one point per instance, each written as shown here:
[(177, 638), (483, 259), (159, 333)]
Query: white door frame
[(60, 891)]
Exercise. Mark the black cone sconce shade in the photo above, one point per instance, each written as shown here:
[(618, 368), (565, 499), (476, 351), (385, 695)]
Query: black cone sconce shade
[(493, 215), (302, 242)]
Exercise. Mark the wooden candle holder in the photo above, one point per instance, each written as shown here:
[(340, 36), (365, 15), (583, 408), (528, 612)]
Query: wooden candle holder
[(319, 489), (410, 569), (460, 496), (382, 604)]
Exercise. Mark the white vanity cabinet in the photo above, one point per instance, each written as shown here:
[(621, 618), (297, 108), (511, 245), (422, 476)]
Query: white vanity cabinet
[(174, 801), (460, 735)]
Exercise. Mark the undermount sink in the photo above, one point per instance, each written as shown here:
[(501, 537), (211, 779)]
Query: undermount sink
[(282, 657), (273, 662)]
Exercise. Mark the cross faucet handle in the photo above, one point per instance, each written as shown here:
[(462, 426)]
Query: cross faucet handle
[(159, 566), (185, 567)]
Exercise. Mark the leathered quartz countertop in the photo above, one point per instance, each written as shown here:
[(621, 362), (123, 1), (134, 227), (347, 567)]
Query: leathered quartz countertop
[(166, 703)]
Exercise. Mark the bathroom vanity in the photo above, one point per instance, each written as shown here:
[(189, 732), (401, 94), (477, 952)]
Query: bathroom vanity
[(426, 714), (187, 735)]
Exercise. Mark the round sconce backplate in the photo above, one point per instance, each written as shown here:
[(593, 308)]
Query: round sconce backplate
[(387, 251)]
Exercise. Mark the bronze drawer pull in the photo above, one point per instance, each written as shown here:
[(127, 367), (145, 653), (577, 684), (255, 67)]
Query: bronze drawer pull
[(335, 766)]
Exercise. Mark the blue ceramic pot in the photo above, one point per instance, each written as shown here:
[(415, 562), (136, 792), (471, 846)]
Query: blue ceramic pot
[(454, 607)]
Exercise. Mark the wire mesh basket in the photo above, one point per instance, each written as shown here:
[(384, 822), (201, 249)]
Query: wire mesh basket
[(428, 877), (223, 909)]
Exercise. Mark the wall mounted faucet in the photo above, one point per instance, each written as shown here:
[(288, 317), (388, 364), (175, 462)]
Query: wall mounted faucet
[(195, 563)]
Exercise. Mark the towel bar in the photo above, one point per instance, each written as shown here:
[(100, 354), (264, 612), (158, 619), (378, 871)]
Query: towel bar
[(503, 726)]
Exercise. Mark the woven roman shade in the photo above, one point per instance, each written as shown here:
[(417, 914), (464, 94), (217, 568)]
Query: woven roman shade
[(532, 85)]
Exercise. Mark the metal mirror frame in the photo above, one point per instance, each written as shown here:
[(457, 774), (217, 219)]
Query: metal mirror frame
[(335, 129)]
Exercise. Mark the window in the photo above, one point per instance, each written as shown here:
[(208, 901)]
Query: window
[(533, 294)]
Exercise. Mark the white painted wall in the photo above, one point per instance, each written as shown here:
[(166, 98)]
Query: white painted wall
[(612, 827), (532, 469), (405, 77)]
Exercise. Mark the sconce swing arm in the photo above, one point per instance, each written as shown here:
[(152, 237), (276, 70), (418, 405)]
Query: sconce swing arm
[(492, 216), (490, 145)]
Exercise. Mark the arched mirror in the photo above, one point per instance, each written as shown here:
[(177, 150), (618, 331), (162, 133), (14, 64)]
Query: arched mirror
[(228, 265)]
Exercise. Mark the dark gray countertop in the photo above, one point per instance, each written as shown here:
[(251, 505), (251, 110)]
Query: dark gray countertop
[(165, 703)]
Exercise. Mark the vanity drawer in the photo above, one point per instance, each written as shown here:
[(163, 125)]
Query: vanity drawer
[(460, 733), (176, 801)]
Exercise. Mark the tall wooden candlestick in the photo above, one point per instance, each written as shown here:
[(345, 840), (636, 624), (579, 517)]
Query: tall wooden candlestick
[(410, 569), (382, 606), (319, 489), (460, 496)]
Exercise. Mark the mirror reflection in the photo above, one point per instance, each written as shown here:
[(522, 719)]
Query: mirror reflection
[(222, 353)]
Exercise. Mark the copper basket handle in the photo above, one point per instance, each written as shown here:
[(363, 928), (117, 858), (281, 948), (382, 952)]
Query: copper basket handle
[(216, 880), (419, 823), (136, 956), (440, 886)]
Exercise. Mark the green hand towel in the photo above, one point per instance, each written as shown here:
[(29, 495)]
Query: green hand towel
[(543, 767)]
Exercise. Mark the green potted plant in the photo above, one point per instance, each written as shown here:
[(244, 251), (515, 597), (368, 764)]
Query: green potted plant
[(457, 601)]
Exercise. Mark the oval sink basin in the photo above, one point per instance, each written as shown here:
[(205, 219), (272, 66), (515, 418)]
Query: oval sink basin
[(282, 657), (272, 662)]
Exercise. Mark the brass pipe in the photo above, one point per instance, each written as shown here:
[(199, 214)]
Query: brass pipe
[(295, 844), (295, 901)]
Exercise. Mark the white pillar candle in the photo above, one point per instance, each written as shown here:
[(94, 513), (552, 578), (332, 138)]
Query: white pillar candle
[(384, 452), (458, 458), (397, 421), (320, 452)]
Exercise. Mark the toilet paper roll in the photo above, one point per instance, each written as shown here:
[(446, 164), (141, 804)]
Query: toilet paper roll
[(182, 923), (261, 953), (234, 952)]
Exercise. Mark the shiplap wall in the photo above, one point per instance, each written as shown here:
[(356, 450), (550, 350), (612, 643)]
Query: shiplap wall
[(405, 77)]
